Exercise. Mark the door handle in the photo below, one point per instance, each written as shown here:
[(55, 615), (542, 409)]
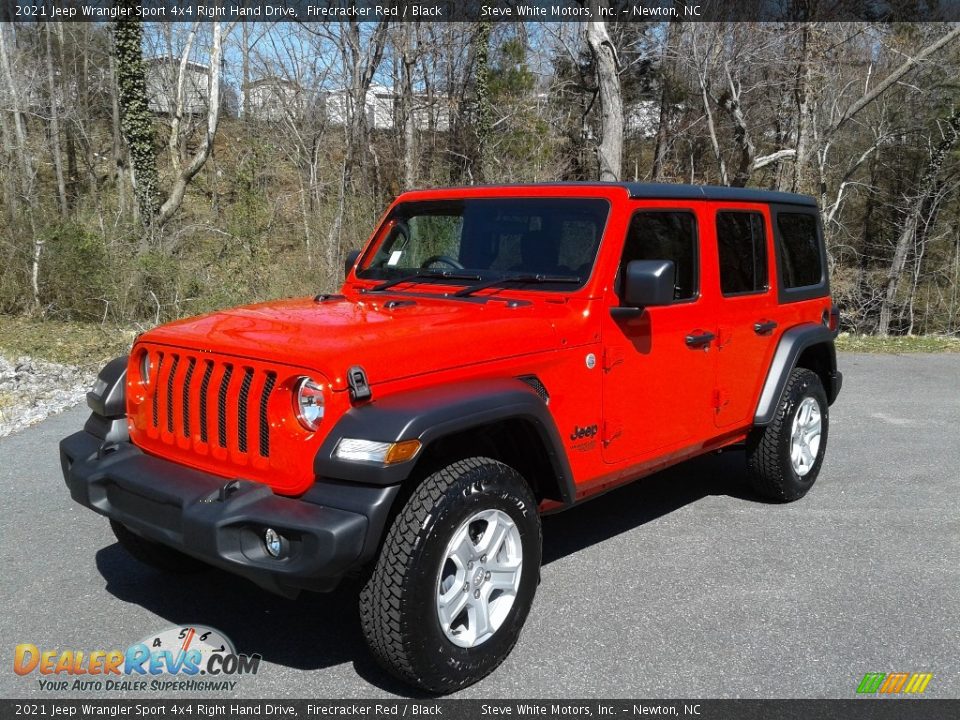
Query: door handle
[(764, 326), (696, 340)]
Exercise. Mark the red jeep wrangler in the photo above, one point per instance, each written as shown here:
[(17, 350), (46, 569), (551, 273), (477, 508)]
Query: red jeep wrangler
[(495, 353)]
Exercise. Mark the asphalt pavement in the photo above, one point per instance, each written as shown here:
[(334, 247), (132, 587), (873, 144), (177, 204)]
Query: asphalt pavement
[(681, 585)]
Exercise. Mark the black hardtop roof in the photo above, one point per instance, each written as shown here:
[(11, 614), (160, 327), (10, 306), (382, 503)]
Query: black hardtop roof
[(714, 192), (669, 191)]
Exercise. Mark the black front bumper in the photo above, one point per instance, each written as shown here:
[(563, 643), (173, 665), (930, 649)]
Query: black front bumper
[(201, 516)]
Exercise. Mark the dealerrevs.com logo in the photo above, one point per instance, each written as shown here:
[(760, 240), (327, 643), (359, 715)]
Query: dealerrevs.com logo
[(894, 683), (184, 659)]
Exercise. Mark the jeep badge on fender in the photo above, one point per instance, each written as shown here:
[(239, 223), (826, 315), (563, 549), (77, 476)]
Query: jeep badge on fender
[(408, 428)]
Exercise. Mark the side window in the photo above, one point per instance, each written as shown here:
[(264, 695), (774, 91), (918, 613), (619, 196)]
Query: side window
[(659, 235), (742, 247), (799, 247)]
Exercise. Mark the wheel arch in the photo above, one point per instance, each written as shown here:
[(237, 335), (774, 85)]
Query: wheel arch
[(504, 419), (810, 346)]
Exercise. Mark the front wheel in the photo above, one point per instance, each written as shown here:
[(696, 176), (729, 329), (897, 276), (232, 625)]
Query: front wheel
[(784, 458), (455, 578)]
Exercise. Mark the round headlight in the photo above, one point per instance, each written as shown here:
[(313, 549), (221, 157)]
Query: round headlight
[(308, 403), (145, 367)]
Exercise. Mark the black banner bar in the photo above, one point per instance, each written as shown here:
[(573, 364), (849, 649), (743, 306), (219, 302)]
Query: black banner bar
[(872, 708), (475, 10)]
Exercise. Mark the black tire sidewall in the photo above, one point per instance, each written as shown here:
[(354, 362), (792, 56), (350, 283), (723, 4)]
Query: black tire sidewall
[(437, 660), (806, 385)]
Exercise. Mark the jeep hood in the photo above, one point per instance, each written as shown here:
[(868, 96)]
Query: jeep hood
[(391, 336)]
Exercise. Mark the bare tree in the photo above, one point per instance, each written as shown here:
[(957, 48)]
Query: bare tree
[(610, 147), (55, 121), (187, 173), (920, 206), (26, 167)]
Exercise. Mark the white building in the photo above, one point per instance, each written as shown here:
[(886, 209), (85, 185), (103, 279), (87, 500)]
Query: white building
[(273, 98), (382, 109), (162, 74)]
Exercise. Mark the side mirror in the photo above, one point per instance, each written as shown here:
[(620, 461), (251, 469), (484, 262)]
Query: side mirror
[(646, 283), (350, 261)]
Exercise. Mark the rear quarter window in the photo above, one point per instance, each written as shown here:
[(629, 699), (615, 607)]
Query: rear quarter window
[(798, 243)]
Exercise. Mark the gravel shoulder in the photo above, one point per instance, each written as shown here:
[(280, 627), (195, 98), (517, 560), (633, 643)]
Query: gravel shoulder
[(32, 390)]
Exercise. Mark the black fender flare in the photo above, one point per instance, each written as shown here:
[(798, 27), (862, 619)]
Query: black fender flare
[(107, 403), (791, 346), (432, 413)]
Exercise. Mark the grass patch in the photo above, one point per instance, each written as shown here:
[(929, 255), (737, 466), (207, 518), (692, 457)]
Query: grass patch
[(897, 344), (86, 345)]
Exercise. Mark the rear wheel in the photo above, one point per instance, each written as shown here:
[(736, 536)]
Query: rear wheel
[(455, 578), (784, 458), (154, 554)]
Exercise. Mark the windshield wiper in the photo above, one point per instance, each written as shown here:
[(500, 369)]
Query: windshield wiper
[(425, 275), (538, 279)]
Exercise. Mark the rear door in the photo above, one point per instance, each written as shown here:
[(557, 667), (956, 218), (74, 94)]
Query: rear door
[(658, 367), (747, 320)]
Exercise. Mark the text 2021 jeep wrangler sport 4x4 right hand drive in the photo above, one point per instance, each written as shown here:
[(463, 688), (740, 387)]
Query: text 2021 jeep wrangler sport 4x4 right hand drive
[(494, 353)]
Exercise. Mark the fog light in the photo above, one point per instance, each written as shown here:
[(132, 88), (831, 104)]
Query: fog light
[(272, 541)]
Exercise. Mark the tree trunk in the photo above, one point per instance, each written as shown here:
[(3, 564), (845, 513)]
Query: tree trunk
[(801, 94), (119, 156), (666, 100), (136, 121), (26, 169), (610, 147), (55, 125), (408, 60), (19, 126), (921, 202), (244, 71), (176, 146), (481, 169), (179, 189)]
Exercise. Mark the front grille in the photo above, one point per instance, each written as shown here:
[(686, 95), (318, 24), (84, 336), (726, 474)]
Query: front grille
[(242, 414), (198, 398), (264, 425), (222, 406)]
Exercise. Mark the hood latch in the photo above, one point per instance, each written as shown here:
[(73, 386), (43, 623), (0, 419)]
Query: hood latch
[(359, 387)]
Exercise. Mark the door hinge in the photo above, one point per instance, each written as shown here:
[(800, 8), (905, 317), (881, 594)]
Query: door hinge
[(612, 356), (719, 399), (611, 431)]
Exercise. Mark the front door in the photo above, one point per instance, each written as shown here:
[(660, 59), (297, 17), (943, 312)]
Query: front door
[(659, 365)]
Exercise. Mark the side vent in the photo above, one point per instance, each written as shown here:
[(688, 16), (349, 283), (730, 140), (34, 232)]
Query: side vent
[(534, 382)]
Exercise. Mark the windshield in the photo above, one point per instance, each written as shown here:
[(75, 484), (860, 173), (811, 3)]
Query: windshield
[(486, 239)]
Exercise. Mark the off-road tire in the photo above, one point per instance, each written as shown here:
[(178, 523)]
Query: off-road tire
[(398, 611), (770, 470), (154, 554)]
